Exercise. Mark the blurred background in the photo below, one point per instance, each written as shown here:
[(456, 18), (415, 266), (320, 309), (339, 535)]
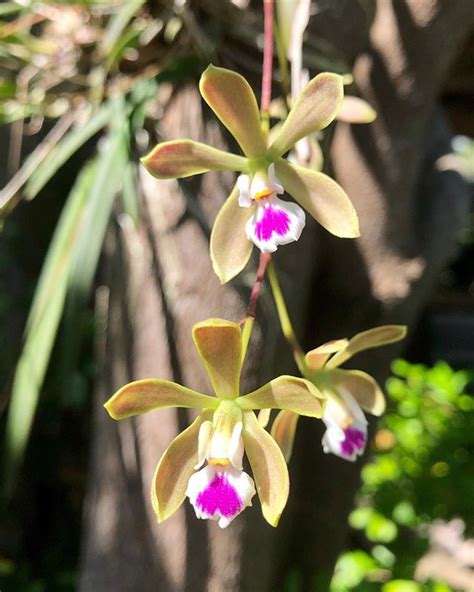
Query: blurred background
[(85, 89)]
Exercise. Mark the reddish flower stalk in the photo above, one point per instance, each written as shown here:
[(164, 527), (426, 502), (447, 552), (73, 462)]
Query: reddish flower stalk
[(265, 259), (267, 71), (267, 55)]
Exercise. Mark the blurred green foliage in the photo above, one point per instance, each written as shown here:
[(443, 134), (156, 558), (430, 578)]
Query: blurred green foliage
[(423, 459), (96, 68)]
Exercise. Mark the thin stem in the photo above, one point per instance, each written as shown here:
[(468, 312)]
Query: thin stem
[(285, 322), (265, 258), (248, 321), (10, 194), (267, 68)]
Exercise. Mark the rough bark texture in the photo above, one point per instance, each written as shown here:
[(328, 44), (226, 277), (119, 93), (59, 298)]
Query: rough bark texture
[(158, 281)]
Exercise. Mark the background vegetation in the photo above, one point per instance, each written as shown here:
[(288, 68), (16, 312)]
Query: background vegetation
[(79, 83)]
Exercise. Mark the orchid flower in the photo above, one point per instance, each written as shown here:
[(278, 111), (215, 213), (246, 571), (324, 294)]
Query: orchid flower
[(349, 393), (253, 213), (204, 462)]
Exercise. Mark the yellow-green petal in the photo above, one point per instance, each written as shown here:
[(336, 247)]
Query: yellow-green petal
[(321, 196), (142, 396), (284, 431), (230, 247), (363, 387), (231, 98), (268, 467), (376, 337), (316, 106), (264, 417), (170, 481), (183, 158), (286, 392), (219, 343), (316, 358), (356, 110)]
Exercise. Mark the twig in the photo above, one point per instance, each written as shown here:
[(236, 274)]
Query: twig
[(9, 196)]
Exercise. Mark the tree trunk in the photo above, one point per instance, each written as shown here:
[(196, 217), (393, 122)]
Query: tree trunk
[(158, 281)]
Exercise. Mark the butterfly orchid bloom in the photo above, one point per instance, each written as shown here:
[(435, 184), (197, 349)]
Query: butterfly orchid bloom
[(348, 393), (204, 462), (253, 213)]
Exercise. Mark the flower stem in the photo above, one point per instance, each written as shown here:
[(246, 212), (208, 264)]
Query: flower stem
[(285, 322), (248, 321), (265, 258), (267, 68)]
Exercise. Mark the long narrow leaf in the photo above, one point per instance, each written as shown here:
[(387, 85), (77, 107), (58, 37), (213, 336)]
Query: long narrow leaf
[(108, 180), (10, 8), (117, 24), (65, 149), (130, 194), (46, 312)]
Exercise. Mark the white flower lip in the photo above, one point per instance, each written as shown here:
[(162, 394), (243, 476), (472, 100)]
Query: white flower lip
[(346, 433), (220, 493), (276, 222)]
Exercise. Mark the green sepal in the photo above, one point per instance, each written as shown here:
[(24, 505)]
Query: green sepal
[(229, 246), (284, 431), (356, 110), (219, 344), (286, 392), (316, 358), (146, 395), (363, 387), (321, 196), (232, 99), (314, 109), (376, 337), (170, 481), (183, 158), (268, 467)]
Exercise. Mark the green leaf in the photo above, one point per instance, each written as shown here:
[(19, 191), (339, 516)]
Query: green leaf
[(117, 24), (111, 165), (7, 88), (401, 586), (351, 569), (360, 517), (130, 192), (43, 321), (381, 529), (10, 8), (65, 149)]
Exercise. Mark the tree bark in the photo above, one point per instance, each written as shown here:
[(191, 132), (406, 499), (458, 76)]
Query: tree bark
[(158, 281)]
